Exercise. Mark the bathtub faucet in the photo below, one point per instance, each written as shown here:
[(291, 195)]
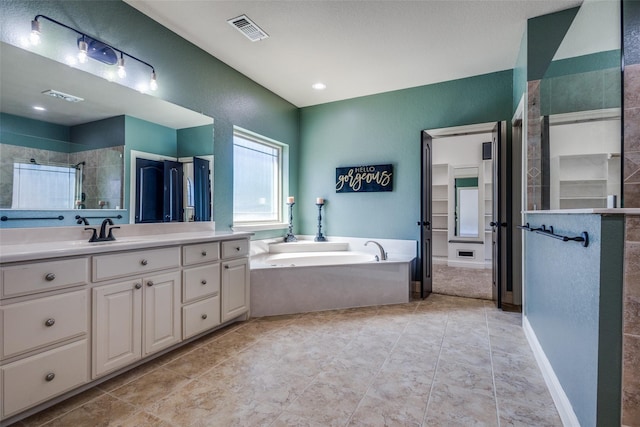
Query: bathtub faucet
[(383, 254)]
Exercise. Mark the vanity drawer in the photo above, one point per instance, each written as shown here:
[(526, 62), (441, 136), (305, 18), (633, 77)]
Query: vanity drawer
[(199, 282), (32, 324), (25, 279), (235, 248), (200, 316), (125, 264), (199, 253), (33, 380)]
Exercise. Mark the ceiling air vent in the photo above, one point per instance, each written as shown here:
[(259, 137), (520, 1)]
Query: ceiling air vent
[(247, 27), (61, 95)]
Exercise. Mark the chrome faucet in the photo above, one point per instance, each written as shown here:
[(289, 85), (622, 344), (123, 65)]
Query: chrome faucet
[(383, 254)]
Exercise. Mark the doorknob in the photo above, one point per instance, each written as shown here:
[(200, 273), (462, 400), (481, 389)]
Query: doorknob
[(493, 223), (425, 223)]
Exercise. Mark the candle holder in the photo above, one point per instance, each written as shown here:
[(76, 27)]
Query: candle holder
[(290, 237), (319, 236)]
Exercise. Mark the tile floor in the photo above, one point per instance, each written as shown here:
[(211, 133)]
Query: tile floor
[(444, 361)]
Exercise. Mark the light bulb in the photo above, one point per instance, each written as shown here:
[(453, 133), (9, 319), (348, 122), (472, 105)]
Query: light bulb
[(82, 54), (153, 84), (34, 38), (122, 73)]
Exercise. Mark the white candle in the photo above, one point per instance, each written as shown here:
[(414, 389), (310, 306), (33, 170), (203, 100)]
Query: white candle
[(320, 201), (290, 199)]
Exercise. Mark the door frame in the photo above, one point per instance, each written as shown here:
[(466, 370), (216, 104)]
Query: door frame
[(425, 221), (454, 131)]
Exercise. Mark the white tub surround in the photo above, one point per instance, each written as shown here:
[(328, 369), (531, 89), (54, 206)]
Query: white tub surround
[(74, 313), (309, 276)]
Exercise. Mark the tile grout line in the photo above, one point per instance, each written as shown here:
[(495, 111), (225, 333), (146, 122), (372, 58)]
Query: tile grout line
[(493, 375), (379, 369), (435, 372)]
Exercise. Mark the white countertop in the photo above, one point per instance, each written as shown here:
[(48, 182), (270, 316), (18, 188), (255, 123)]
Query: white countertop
[(596, 211), (30, 247)]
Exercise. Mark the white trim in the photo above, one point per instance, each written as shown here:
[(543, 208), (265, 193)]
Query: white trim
[(259, 227), (563, 405)]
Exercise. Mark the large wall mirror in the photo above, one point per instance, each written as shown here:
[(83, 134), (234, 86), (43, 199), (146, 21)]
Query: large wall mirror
[(580, 114), (73, 156)]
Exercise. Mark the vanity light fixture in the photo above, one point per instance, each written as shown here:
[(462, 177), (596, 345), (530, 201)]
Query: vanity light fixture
[(90, 47), (35, 32)]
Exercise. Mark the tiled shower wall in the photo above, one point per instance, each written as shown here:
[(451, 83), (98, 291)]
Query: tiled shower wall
[(631, 199), (631, 177), (102, 178), (534, 147)]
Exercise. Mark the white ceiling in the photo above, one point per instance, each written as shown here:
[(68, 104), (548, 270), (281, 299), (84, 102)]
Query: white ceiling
[(356, 48)]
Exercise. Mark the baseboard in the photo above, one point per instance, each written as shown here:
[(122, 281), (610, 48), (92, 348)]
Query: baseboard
[(565, 409)]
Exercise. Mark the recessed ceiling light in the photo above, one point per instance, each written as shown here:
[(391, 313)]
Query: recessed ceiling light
[(37, 107), (319, 86)]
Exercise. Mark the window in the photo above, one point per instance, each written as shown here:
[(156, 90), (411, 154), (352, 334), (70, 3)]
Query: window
[(257, 179)]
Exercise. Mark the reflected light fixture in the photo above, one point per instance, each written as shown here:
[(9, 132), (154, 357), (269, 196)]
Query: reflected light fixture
[(122, 73), (90, 47), (83, 50), (319, 86)]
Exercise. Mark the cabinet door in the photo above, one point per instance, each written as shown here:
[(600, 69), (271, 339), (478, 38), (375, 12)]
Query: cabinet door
[(235, 288), (117, 325), (162, 326)]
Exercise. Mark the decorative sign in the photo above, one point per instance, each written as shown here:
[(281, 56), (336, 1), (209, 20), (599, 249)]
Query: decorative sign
[(354, 179)]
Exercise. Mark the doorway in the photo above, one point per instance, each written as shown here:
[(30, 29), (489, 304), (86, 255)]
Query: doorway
[(464, 225), (166, 189)]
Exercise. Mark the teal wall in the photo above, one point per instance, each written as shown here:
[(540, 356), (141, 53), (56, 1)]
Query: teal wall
[(544, 35), (195, 141), (100, 134), (187, 76), (380, 129), (573, 298), (16, 130)]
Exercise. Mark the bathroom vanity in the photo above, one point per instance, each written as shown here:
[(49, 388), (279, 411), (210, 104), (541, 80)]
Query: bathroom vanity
[(73, 313)]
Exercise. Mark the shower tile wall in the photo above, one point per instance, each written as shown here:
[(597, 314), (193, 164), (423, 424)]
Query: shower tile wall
[(103, 172), (631, 339), (534, 147)]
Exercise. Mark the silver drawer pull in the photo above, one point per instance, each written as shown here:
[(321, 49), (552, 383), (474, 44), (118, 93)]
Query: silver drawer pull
[(238, 248), (144, 262), (204, 282), (137, 286), (226, 267), (50, 277), (149, 283), (204, 316), (50, 322), (204, 253), (50, 376)]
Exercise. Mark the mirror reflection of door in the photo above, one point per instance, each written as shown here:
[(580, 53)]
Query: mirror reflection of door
[(467, 207), (158, 191)]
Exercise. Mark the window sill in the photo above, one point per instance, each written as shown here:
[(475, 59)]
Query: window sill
[(260, 227)]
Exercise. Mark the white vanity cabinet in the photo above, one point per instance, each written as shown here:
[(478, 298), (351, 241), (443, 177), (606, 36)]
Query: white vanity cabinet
[(45, 324), (82, 315), (200, 288), (235, 279), (138, 316)]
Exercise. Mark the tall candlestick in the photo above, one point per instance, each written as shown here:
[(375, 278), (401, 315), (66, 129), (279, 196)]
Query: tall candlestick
[(319, 237), (290, 237), (290, 200), (319, 201)]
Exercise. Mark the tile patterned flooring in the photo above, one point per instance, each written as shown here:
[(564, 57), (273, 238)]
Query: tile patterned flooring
[(443, 361)]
